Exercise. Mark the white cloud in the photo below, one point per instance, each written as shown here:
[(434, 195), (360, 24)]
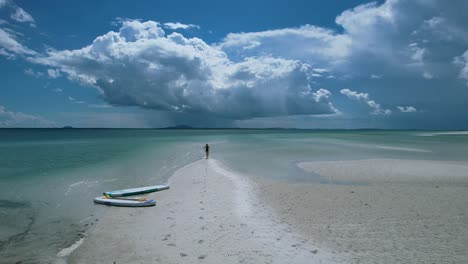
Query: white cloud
[(18, 119), (10, 46), (434, 22), (100, 106), (364, 97), (178, 25), (53, 73), (417, 55), (355, 95), (321, 94), (376, 76), (17, 13), (406, 109), (427, 75), (58, 90), (6, 54), (33, 73), (462, 62), (141, 66), (22, 16), (320, 70), (366, 16), (308, 43), (73, 100)]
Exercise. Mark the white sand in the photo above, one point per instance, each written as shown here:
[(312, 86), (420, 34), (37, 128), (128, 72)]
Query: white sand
[(399, 212), (209, 215)]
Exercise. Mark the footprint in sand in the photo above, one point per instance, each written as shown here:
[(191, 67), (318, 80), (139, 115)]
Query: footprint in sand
[(201, 208), (200, 241), (202, 257), (169, 218), (166, 237), (183, 254), (171, 245), (201, 217)]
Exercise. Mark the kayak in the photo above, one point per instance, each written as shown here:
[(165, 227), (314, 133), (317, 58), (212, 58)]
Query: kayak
[(140, 202), (136, 191)]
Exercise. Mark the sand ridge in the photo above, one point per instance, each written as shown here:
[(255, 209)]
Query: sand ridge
[(210, 215)]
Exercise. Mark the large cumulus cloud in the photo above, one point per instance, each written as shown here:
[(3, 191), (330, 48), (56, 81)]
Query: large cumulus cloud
[(140, 66), (411, 53), (418, 38)]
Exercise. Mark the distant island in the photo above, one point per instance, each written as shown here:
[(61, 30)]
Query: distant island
[(178, 127)]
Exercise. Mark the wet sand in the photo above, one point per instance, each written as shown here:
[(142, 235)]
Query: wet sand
[(390, 211)]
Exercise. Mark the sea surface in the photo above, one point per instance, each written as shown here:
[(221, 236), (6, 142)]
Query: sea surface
[(48, 177)]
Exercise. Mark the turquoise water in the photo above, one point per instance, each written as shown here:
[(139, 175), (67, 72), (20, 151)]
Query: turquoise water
[(49, 177)]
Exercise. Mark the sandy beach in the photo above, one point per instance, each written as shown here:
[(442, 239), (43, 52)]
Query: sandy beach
[(210, 215), (213, 215)]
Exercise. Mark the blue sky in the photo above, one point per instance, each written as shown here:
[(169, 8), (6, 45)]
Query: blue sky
[(305, 64)]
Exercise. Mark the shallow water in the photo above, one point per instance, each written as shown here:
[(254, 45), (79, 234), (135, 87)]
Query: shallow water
[(48, 177), (274, 154)]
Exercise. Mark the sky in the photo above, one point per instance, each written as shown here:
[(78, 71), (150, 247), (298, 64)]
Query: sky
[(394, 64)]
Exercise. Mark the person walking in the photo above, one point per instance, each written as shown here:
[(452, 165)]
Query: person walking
[(207, 150)]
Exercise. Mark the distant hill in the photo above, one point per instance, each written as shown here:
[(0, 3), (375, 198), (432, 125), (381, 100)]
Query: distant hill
[(178, 127)]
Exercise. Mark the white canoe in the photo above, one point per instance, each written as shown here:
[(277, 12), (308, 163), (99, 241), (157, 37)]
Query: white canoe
[(125, 202), (136, 191)]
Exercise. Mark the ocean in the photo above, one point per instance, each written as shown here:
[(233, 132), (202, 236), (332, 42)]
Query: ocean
[(48, 177)]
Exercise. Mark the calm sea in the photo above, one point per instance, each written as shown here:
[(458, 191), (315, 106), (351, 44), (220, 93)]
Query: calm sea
[(48, 177)]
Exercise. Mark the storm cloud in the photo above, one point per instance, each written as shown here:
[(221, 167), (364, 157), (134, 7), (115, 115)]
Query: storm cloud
[(142, 66)]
